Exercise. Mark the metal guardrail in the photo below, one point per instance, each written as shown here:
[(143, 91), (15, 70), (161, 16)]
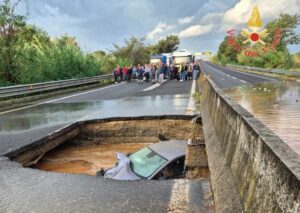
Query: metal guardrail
[(14, 91), (259, 69)]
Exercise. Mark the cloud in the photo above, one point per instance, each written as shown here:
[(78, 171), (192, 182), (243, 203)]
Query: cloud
[(186, 20), (212, 18), (53, 11), (239, 13), (269, 9), (196, 30), (160, 28), (118, 20)]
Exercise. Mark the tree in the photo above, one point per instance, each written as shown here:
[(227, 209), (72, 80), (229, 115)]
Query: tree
[(227, 53), (11, 25), (287, 23), (137, 52), (99, 53), (167, 45), (134, 51), (278, 57)]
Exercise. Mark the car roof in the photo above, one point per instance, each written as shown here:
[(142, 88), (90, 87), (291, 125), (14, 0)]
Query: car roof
[(170, 149)]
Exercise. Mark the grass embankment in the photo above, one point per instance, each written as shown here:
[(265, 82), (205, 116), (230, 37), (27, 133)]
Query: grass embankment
[(296, 60)]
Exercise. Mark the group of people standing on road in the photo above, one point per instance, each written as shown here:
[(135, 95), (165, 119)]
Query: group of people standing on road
[(157, 72)]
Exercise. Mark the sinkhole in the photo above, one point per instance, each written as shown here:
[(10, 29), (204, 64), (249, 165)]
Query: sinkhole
[(86, 147)]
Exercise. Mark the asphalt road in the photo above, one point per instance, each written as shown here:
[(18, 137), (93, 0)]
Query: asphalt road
[(25, 190), (24, 126), (227, 78), (30, 190)]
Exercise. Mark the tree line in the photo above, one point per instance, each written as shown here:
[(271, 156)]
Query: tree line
[(279, 57), (29, 55)]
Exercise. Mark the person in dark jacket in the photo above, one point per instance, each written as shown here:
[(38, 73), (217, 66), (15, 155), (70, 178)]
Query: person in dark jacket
[(196, 71), (190, 72), (129, 73), (147, 72), (116, 75), (140, 72)]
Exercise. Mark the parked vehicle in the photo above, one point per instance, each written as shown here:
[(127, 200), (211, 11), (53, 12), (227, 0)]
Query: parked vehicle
[(165, 58), (182, 57), (163, 160), (157, 59)]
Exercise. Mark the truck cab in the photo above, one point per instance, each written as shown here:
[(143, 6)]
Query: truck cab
[(182, 57), (165, 58)]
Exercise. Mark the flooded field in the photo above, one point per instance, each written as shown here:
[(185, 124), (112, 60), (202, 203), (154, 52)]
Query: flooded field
[(84, 159), (276, 104)]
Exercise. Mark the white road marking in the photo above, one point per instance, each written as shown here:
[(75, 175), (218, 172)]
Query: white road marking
[(246, 73), (152, 87), (21, 108), (243, 81), (13, 110), (259, 76), (83, 93), (191, 105), (234, 77)]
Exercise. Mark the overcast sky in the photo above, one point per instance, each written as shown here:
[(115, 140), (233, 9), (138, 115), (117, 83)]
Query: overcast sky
[(200, 24)]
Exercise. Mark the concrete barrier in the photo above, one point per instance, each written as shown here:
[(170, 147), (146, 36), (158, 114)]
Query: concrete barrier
[(252, 169)]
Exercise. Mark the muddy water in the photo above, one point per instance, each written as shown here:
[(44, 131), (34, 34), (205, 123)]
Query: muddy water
[(277, 105), (84, 159)]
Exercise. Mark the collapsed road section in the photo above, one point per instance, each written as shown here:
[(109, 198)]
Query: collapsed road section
[(69, 192), (111, 131), (248, 167), (92, 145)]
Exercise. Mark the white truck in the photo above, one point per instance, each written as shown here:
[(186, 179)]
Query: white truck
[(164, 58), (182, 57)]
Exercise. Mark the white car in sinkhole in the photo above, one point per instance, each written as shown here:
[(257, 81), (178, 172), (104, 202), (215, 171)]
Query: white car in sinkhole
[(158, 161)]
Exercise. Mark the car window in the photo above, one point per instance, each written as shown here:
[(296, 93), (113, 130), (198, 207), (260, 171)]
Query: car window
[(174, 170), (145, 162)]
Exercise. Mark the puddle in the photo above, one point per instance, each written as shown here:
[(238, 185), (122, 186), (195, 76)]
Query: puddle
[(46, 115), (69, 158), (276, 104)]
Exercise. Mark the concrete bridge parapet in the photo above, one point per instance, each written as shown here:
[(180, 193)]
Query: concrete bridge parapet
[(252, 169)]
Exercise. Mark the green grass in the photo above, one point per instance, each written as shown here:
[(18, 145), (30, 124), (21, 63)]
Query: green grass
[(296, 60)]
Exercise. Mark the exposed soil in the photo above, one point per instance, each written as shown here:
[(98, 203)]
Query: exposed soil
[(88, 159), (96, 144)]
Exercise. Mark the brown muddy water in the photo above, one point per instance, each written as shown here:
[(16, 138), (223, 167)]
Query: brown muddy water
[(276, 104), (94, 145), (84, 159)]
